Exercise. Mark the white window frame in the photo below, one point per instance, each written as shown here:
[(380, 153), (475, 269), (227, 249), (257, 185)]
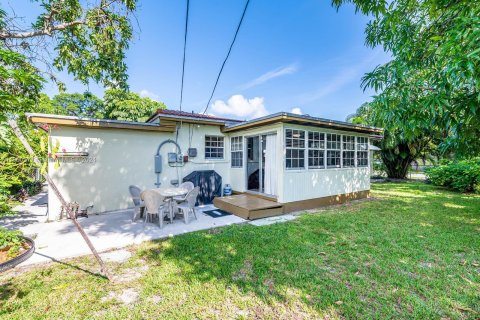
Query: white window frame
[(292, 148), (236, 147), (338, 143), (360, 149), (348, 146), (222, 147), (320, 149)]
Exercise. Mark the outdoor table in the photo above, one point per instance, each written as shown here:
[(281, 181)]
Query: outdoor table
[(169, 193)]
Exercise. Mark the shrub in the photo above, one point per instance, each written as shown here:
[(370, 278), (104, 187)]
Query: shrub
[(10, 242), (463, 176)]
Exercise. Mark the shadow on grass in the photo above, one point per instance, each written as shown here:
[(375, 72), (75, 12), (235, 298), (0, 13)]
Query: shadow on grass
[(73, 266), (352, 256)]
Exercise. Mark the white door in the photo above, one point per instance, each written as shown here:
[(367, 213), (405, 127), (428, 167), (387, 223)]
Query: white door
[(270, 184)]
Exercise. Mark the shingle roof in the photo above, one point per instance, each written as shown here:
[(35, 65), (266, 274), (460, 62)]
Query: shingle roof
[(184, 114)]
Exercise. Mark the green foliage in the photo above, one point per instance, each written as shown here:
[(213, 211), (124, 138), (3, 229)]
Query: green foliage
[(10, 242), (433, 80), (87, 39), (129, 106), (463, 176), (398, 150), (77, 104), (20, 82)]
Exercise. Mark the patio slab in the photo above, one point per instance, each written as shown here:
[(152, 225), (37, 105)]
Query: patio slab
[(60, 240)]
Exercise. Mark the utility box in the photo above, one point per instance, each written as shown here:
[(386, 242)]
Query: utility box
[(158, 164), (192, 152)]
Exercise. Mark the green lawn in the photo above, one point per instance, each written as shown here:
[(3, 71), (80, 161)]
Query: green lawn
[(411, 252)]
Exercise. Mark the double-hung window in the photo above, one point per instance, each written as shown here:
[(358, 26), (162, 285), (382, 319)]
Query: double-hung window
[(348, 156), (362, 152), (295, 149), (236, 145), (316, 150), (333, 150), (213, 147)]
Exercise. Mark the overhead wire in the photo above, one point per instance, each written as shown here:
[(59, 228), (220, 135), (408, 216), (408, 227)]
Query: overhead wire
[(228, 54), (184, 52)]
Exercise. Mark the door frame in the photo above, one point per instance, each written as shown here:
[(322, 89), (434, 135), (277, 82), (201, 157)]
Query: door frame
[(260, 163)]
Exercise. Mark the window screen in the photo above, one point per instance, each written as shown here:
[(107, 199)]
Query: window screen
[(316, 150), (348, 156), (362, 151), (333, 150), (295, 149), (213, 147), (237, 152)]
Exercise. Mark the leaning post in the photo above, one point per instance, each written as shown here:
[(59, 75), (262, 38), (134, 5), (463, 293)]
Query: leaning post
[(23, 140)]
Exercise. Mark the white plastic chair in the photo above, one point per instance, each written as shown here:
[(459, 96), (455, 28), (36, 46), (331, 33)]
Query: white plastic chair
[(155, 206), (139, 209), (188, 206), (185, 185)]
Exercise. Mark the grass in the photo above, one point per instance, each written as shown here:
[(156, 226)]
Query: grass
[(412, 252)]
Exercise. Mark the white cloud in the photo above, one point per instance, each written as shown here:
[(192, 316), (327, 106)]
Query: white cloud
[(144, 93), (238, 106), (278, 72), (296, 110)]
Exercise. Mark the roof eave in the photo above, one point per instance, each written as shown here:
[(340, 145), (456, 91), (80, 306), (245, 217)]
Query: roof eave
[(93, 123), (303, 120)]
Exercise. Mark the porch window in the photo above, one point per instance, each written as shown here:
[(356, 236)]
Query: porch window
[(362, 151), (237, 152), (295, 149), (333, 150), (214, 147), (348, 156), (316, 150)]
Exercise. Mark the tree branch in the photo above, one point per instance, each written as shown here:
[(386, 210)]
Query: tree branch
[(44, 32)]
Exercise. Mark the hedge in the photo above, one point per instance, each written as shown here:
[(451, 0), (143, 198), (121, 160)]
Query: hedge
[(463, 176)]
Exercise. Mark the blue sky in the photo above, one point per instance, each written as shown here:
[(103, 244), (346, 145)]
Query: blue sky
[(289, 54)]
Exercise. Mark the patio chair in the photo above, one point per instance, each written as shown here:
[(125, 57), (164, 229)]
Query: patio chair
[(185, 185), (188, 206), (155, 206), (139, 209)]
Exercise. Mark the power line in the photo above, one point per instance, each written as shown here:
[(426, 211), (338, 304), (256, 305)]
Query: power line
[(184, 50), (228, 54)]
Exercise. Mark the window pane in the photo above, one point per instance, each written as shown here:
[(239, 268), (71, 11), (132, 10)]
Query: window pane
[(295, 149), (213, 147)]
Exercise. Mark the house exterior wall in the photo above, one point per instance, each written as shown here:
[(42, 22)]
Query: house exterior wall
[(239, 174), (303, 184), (119, 158)]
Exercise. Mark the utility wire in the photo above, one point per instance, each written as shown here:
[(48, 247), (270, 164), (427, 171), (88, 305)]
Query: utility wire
[(184, 50), (228, 54)]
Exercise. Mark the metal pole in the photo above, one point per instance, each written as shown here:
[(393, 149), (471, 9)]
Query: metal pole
[(23, 140)]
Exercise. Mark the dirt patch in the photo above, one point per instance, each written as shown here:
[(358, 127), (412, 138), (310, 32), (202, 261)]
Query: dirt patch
[(131, 274), (8, 253), (127, 296), (244, 272), (3, 256)]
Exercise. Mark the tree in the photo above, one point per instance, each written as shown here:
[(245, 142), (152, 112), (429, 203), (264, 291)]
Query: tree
[(129, 106), (20, 83), (398, 150), (77, 104), (87, 39), (433, 80)]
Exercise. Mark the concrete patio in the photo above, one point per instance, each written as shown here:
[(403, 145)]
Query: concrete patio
[(59, 240)]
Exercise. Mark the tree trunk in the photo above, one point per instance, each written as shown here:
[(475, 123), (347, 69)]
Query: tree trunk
[(397, 161)]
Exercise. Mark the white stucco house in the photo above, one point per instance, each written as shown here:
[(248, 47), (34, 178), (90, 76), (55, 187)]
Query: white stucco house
[(289, 161)]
